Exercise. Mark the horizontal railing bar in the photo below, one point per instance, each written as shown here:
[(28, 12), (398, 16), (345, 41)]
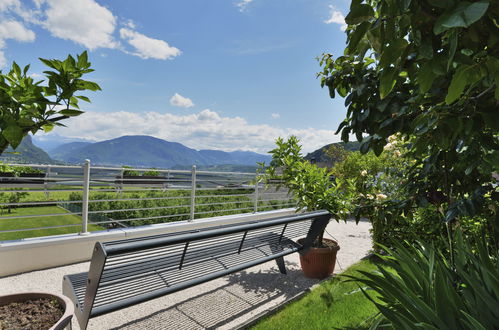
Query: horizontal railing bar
[(139, 209), (226, 210), (137, 199), (40, 190), (47, 165), (145, 218), (38, 203), (38, 215), (229, 195), (38, 228), (225, 203)]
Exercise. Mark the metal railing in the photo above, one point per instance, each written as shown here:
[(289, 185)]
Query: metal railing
[(86, 198)]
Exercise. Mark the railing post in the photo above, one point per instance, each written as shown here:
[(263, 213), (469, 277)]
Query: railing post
[(193, 191), (45, 184), (255, 208), (85, 195)]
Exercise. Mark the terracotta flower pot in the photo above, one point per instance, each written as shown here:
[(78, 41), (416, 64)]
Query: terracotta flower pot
[(66, 304), (319, 262)]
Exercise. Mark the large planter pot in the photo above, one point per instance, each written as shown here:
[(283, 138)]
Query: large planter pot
[(319, 262), (67, 305)]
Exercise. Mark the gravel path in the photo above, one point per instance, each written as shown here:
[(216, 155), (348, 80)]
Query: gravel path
[(224, 303)]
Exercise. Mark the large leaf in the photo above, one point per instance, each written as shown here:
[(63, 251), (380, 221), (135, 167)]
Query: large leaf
[(359, 13), (463, 15), (14, 135), (387, 82), (425, 77), (457, 85), (393, 52)]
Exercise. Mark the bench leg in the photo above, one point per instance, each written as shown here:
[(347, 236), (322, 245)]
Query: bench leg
[(280, 264)]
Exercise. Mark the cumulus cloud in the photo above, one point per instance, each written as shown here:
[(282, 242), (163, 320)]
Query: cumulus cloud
[(82, 21), (178, 100), (15, 30), (146, 47), (275, 116), (204, 130), (336, 17), (243, 4)]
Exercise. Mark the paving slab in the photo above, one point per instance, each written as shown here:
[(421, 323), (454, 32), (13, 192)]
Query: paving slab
[(224, 303)]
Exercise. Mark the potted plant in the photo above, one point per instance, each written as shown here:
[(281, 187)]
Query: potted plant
[(35, 310), (313, 190)]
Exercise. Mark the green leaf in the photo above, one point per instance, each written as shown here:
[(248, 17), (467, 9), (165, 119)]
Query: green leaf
[(71, 112), (387, 82), (425, 77), (463, 15), (359, 13), (393, 52), (14, 135), (356, 35), (47, 128), (457, 85), (82, 60)]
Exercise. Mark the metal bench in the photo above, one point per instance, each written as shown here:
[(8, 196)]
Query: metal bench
[(127, 272)]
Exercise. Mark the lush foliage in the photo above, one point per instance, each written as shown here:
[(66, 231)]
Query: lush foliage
[(28, 106), (312, 187), (429, 71), (430, 290)]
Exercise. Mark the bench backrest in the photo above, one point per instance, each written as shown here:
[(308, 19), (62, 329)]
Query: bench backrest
[(181, 259)]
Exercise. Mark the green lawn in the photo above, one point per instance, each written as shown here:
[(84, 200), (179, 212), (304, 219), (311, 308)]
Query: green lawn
[(335, 304), (36, 221)]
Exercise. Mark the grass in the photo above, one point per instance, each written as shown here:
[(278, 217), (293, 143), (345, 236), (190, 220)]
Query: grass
[(335, 304), (37, 221)]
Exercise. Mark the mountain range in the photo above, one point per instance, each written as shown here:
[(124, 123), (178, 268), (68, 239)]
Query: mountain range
[(148, 151), (26, 152)]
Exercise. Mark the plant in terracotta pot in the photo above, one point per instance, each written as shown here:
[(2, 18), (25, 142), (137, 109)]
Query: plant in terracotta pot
[(313, 189)]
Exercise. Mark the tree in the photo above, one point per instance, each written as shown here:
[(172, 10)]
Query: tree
[(28, 106), (428, 70)]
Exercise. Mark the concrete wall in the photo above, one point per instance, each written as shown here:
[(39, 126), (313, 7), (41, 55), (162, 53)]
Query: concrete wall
[(53, 251)]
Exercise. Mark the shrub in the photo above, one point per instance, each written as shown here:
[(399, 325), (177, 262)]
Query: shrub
[(432, 290)]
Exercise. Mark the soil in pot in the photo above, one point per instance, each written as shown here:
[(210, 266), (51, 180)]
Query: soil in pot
[(319, 262), (34, 314)]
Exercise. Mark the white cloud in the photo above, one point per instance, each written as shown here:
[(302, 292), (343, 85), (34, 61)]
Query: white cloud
[(336, 17), (275, 116), (203, 130), (146, 47), (178, 100), (82, 21), (243, 4), (11, 29)]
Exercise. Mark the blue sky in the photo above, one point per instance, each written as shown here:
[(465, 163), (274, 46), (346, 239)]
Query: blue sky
[(232, 74)]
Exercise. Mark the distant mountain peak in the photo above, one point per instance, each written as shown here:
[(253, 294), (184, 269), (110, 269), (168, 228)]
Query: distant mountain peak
[(149, 151)]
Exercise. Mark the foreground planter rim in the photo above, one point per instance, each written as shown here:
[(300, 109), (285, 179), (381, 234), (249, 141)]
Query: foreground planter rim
[(63, 300), (319, 263)]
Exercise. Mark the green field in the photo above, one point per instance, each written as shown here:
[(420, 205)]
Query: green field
[(335, 304), (37, 221)]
